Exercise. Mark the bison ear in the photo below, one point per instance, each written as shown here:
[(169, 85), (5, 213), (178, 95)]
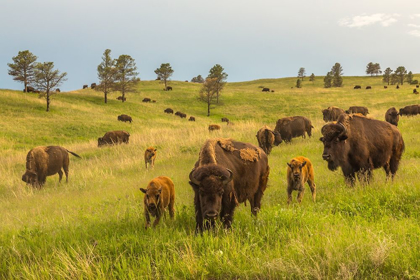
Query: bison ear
[(193, 182), (289, 165), (303, 164), (143, 190)]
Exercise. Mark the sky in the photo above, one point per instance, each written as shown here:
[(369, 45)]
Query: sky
[(251, 39)]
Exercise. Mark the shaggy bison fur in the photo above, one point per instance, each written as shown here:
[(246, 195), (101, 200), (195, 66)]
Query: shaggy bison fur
[(299, 172), (114, 137)]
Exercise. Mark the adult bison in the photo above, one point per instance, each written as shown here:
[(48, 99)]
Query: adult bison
[(168, 88), (292, 127), (331, 114), (268, 138), (85, 86), (93, 85), (410, 110), (146, 99), (121, 98), (392, 116), (368, 87), (227, 173), (266, 89), (357, 87), (385, 87), (191, 119), (358, 145), (168, 111), (125, 118), (114, 137), (225, 120), (45, 161), (358, 109), (214, 127)]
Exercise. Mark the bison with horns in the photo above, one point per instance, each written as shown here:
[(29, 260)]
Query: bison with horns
[(227, 173), (358, 145)]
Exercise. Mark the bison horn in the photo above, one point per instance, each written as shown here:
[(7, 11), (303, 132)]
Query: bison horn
[(227, 180), (192, 179), (344, 132)]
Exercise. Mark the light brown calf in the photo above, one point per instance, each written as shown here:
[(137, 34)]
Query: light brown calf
[(214, 127), (150, 156), (300, 171)]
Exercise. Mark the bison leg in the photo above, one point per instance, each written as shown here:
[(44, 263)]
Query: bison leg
[(145, 162), (226, 216), (198, 214), (147, 216), (256, 203), (156, 222), (312, 185), (60, 175), (171, 209), (289, 196), (300, 195), (350, 179)]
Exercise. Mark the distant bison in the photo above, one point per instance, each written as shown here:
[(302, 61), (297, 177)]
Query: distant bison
[(392, 116), (168, 111), (146, 100), (125, 118), (357, 87), (158, 196), (299, 172), (410, 110), (268, 138), (266, 89), (385, 86), (29, 89), (85, 86), (331, 113), (183, 115), (214, 127), (358, 109), (114, 137), (397, 87), (225, 120), (57, 90), (93, 85), (168, 88), (368, 87), (191, 119), (45, 161), (292, 127), (417, 86), (178, 113), (415, 91), (153, 101), (150, 156), (121, 98), (272, 90)]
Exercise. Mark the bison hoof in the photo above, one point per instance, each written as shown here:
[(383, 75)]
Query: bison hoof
[(256, 210)]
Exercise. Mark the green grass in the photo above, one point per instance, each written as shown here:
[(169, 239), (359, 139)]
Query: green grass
[(93, 227)]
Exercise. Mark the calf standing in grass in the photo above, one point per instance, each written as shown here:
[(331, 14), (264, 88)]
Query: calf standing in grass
[(150, 156), (158, 196), (300, 171)]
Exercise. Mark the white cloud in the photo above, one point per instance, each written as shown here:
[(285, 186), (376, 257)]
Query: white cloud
[(365, 20), (415, 33), (415, 16), (413, 25)]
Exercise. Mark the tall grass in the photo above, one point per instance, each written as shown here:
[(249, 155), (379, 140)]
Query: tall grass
[(93, 227)]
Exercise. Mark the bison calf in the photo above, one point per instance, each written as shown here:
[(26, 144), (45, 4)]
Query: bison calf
[(300, 171), (158, 196), (214, 127), (46, 161), (114, 137), (191, 119), (150, 156)]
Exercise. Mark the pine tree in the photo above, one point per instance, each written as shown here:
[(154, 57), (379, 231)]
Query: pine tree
[(22, 68), (387, 75), (164, 72), (298, 83), (208, 91), (409, 77), (312, 77), (401, 72), (337, 72), (301, 73), (125, 74), (217, 72), (328, 80), (106, 74)]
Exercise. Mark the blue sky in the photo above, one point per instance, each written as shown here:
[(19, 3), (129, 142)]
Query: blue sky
[(251, 39)]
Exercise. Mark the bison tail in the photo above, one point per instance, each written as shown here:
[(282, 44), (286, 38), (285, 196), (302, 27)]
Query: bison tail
[(74, 154)]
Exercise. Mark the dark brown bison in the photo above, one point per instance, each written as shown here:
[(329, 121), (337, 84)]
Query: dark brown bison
[(272, 90), (415, 91), (214, 127), (358, 145), (191, 119), (153, 101), (331, 114), (85, 86), (392, 116), (121, 98), (114, 137), (225, 120), (358, 109), (397, 87), (292, 127), (385, 86), (299, 172), (417, 86), (45, 161), (125, 118), (146, 99), (227, 173), (93, 85), (357, 87), (158, 196), (57, 90), (178, 113), (183, 115), (266, 89), (410, 110), (368, 87), (150, 156), (168, 88), (168, 111), (268, 138), (29, 89)]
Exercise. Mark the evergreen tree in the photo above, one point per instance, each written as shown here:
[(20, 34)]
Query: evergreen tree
[(125, 74), (106, 74), (298, 83), (22, 68), (217, 72), (337, 72), (401, 72), (301, 73), (328, 80), (409, 77), (312, 77), (164, 72), (394, 79), (387, 75), (198, 79), (208, 91)]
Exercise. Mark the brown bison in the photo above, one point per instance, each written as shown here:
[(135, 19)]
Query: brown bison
[(150, 156), (227, 173), (85, 86), (121, 98), (125, 118), (358, 145), (191, 119), (331, 114), (225, 120), (29, 89), (398, 87), (268, 138), (93, 85), (182, 115), (272, 90), (357, 87), (392, 116), (57, 90), (168, 111), (266, 89), (158, 196), (214, 127), (178, 113), (385, 86), (368, 87), (358, 109), (415, 91), (146, 100), (300, 171), (292, 127), (168, 88), (153, 101), (114, 137), (45, 161), (410, 110), (417, 86)]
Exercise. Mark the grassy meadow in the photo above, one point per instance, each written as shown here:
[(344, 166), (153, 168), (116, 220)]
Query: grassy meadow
[(93, 227)]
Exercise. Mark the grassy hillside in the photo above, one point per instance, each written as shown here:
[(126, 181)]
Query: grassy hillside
[(93, 227)]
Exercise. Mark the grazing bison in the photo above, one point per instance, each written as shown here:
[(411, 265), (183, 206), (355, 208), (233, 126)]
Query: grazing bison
[(357, 87), (93, 85), (57, 90), (150, 156), (368, 87), (358, 145), (331, 114), (227, 173), (417, 86), (358, 109), (292, 127), (168, 111), (125, 118), (272, 90), (225, 120), (114, 137), (178, 113), (146, 99), (214, 127), (45, 161), (268, 138), (121, 98), (300, 171), (29, 89), (85, 86), (415, 91), (168, 88), (183, 115), (385, 86), (158, 196), (397, 87), (266, 89), (153, 101), (392, 116), (410, 110), (191, 119)]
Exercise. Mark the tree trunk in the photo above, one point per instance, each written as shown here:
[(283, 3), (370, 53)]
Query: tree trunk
[(166, 88), (48, 100), (208, 107), (106, 97)]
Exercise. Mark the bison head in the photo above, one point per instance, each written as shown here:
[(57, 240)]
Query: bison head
[(334, 136), (277, 138), (101, 141), (326, 115), (296, 169), (210, 183), (30, 177), (152, 198)]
